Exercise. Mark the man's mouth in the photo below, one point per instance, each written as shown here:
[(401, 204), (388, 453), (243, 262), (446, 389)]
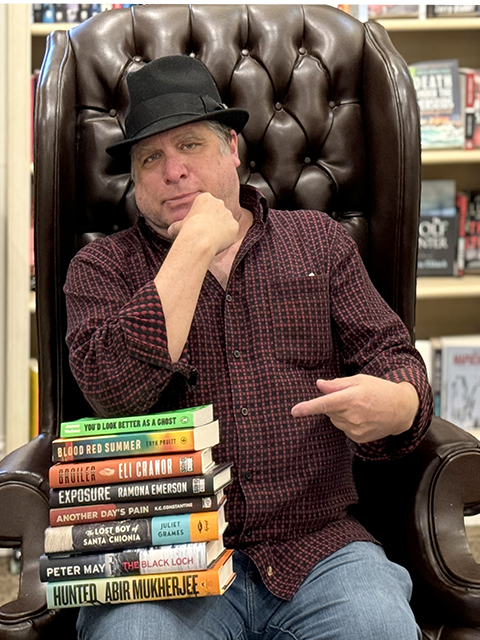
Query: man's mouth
[(181, 199)]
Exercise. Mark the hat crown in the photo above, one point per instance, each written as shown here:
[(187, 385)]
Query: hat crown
[(171, 75)]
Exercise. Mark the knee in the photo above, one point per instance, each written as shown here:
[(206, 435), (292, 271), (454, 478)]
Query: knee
[(383, 617)]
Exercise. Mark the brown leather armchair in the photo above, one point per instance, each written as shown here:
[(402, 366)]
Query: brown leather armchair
[(333, 127)]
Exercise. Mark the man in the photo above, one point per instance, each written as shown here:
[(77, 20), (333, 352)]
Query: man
[(269, 315)]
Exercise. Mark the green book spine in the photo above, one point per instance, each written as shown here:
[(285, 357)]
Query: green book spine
[(183, 418)]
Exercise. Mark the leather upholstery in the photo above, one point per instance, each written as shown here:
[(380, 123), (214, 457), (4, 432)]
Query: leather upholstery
[(333, 126)]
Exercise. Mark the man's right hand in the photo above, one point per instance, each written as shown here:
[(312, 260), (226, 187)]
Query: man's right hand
[(209, 223)]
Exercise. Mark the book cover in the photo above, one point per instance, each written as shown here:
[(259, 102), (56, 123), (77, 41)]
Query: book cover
[(380, 11), (437, 85), (456, 384), (129, 469), (197, 485), (192, 417), (188, 584), (470, 96), (139, 509), (452, 10), (141, 532), (472, 233), (438, 229), (195, 556), (129, 444)]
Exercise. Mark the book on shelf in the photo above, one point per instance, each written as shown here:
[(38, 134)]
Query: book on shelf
[(208, 483), (145, 443), (470, 97), (34, 424), (78, 474), (472, 232), (191, 417), (381, 11), (452, 10), (424, 347), (189, 584), (456, 380), (437, 86), (139, 532), (139, 509), (438, 229), (194, 556)]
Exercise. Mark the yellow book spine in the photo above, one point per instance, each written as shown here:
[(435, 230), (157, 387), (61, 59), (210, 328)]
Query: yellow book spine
[(143, 588)]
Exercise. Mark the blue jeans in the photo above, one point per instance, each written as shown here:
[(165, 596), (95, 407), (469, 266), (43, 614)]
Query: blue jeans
[(354, 594)]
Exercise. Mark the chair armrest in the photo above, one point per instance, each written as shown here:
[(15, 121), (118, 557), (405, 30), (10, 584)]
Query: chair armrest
[(415, 506), (24, 508)]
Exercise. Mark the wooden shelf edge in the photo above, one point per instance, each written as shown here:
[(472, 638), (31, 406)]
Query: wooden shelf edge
[(430, 24), (438, 287), (45, 28), (450, 156)]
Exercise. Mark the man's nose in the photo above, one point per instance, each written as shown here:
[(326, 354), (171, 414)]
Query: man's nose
[(174, 169)]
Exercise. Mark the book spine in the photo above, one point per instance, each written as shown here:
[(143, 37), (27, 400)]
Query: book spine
[(77, 593), (139, 532), (125, 492), (78, 474), (165, 559), (128, 510), (149, 443), (437, 378), (462, 206), (185, 418)]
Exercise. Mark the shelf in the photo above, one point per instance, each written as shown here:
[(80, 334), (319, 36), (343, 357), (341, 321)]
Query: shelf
[(464, 287), (45, 28), (430, 24), (450, 156)]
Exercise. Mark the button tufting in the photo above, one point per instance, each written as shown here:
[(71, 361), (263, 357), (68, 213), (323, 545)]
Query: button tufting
[(112, 113), (332, 104), (245, 52), (278, 106), (302, 51), (253, 164), (137, 58), (307, 160), (192, 55)]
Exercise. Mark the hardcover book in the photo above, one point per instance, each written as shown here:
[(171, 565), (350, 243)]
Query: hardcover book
[(456, 380), (438, 229), (140, 509), (141, 532), (470, 94), (188, 584), (196, 556), (129, 469), (437, 85), (192, 417), (198, 485), (139, 444)]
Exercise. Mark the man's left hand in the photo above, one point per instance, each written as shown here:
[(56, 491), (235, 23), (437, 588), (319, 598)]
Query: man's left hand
[(366, 408)]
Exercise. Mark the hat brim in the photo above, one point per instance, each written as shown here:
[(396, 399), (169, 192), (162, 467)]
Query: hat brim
[(234, 118)]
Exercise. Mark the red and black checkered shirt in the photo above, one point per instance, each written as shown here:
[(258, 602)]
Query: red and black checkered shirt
[(298, 306)]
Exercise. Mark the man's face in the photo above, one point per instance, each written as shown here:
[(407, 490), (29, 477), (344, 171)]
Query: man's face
[(172, 168)]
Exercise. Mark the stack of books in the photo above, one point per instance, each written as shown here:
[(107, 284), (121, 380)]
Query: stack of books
[(137, 511)]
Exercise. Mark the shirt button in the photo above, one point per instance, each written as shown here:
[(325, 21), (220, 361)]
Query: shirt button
[(244, 411), (236, 353), (228, 297), (248, 533), (269, 571), (248, 475)]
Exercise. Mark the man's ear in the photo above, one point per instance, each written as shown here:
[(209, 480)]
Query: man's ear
[(233, 144)]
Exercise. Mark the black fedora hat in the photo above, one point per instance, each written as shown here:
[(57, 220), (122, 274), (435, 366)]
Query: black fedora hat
[(170, 92)]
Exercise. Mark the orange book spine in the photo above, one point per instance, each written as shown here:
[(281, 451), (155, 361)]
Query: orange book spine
[(126, 469)]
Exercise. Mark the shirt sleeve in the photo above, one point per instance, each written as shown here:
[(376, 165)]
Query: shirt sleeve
[(375, 341), (117, 339)]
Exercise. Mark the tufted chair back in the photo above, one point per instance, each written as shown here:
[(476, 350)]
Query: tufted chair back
[(333, 126)]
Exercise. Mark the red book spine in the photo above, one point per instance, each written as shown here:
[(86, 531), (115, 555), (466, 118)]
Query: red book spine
[(128, 469)]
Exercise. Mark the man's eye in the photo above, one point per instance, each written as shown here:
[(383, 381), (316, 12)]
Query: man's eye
[(151, 158)]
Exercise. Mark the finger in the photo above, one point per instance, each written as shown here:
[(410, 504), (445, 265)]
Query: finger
[(309, 408), (336, 384)]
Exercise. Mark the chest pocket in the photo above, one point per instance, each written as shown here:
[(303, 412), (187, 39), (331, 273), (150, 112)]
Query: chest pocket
[(300, 320)]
